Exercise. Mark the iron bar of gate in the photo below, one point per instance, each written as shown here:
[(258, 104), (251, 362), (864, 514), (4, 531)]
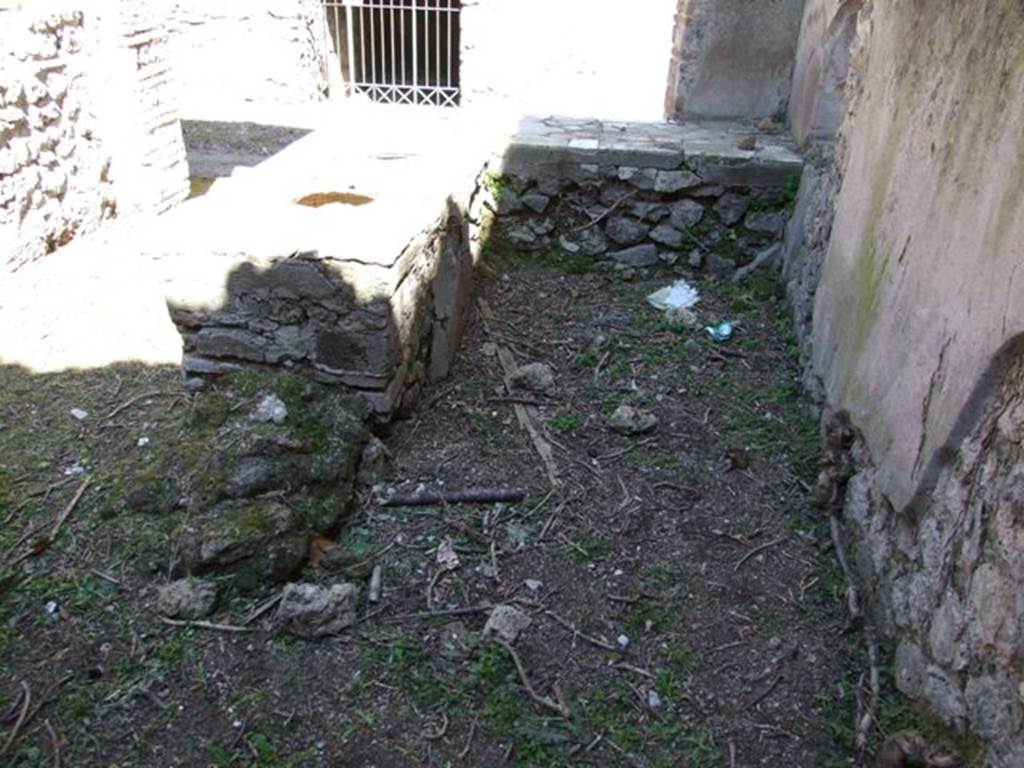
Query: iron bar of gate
[(381, 59)]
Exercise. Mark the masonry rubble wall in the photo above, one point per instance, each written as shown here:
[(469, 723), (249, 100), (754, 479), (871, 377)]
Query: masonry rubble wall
[(635, 197), (88, 124), (732, 59), (232, 54), (909, 246)]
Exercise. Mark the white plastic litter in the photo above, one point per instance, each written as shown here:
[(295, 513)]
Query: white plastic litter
[(679, 295), (79, 414)]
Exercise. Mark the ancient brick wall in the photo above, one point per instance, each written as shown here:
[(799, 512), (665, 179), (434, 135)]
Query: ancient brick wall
[(87, 130)]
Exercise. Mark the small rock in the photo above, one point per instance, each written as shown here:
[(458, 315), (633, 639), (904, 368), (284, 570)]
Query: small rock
[(674, 181), (456, 641), (645, 255), (624, 230), (542, 226), (623, 641), (670, 257), (446, 557), (667, 235), (350, 564), (707, 190), (631, 421), (533, 377), (186, 599), (684, 316), (52, 609), (628, 274), (509, 202), (533, 585), (79, 414), (591, 241), (568, 245), (536, 202), (374, 461), (640, 178), (155, 497), (506, 622), (653, 699), (312, 611), (522, 235), (731, 208), (251, 476), (769, 222), (653, 212), (748, 143), (685, 214), (719, 266), (695, 259), (270, 409), (489, 348)]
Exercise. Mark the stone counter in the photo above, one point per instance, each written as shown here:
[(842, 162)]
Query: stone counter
[(352, 267)]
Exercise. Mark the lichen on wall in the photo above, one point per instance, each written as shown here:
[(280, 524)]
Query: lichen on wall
[(917, 293)]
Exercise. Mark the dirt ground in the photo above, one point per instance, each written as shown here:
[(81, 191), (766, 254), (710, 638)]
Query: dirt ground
[(684, 607)]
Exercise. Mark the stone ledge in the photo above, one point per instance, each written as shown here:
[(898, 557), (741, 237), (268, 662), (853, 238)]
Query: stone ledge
[(560, 147)]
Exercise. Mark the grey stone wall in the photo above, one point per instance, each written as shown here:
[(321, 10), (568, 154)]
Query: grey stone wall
[(827, 34), (232, 54), (384, 330), (946, 578), (732, 58), (87, 130), (908, 244), (641, 196)]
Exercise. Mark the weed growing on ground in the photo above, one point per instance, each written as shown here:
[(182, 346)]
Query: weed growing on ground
[(565, 421)]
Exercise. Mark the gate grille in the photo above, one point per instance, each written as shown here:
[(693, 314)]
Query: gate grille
[(397, 51)]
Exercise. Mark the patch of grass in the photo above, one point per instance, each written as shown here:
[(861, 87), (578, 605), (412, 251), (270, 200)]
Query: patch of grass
[(259, 752), (358, 540), (659, 614), (647, 460), (509, 256), (682, 659), (75, 594), (589, 547), (496, 184), (700, 750), (586, 359), (565, 421), (838, 706)]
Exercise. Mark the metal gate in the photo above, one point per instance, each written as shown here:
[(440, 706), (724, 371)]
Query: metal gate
[(397, 51)]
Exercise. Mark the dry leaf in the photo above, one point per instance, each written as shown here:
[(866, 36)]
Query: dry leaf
[(446, 557), (318, 547)]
